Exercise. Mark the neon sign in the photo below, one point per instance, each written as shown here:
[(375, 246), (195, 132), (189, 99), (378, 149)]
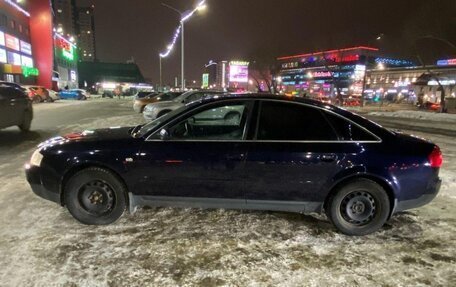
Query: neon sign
[(326, 74), (12, 3), (450, 62), (27, 71)]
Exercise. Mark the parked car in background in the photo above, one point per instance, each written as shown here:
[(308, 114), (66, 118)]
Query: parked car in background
[(11, 84), (53, 95), (159, 109), (40, 94), (15, 108), (277, 153), (140, 103), (75, 94), (144, 94)]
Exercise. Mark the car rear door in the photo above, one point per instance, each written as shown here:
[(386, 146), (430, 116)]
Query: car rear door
[(12, 107), (296, 152), (202, 158)]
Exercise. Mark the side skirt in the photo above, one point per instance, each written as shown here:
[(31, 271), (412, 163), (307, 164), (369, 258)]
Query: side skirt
[(138, 201)]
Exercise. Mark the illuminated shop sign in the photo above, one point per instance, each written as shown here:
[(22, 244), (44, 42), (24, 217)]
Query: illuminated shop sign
[(14, 58), (12, 42), (393, 62), (19, 8), (2, 38), (205, 82), (66, 48), (239, 72), (325, 74), (26, 48), (27, 61), (27, 71), (442, 82), (450, 62), (3, 58), (73, 76)]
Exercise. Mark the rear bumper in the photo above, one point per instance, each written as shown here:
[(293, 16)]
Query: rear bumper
[(33, 175), (430, 195)]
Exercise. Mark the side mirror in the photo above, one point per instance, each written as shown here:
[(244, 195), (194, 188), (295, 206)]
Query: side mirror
[(164, 135)]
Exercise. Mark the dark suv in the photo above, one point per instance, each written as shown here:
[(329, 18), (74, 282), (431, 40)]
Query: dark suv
[(15, 108)]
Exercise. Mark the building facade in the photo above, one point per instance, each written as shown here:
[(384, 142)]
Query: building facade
[(85, 28), (64, 17), (339, 72), (17, 61)]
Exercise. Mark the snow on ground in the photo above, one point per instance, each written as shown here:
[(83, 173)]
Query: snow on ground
[(418, 115), (41, 245)]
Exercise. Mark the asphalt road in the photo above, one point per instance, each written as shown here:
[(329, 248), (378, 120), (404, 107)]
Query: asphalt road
[(42, 245)]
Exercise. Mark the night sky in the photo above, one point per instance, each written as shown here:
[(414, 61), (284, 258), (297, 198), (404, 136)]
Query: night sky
[(232, 29)]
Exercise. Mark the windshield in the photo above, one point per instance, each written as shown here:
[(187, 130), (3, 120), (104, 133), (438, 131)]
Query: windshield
[(147, 128)]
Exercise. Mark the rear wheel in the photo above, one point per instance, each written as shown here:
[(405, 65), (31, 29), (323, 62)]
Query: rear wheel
[(359, 208), (26, 121), (95, 196)]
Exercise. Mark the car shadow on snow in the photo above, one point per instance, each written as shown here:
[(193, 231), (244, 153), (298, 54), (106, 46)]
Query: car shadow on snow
[(13, 137)]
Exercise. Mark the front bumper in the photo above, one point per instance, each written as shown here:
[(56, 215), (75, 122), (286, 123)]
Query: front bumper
[(424, 199), (33, 175)]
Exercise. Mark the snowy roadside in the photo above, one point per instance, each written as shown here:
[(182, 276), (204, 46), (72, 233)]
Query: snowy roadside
[(41, 245)]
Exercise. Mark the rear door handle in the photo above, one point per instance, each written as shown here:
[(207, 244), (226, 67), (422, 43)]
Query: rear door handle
[(328, 158)]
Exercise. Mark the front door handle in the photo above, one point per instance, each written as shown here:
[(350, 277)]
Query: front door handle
[(328, 158)]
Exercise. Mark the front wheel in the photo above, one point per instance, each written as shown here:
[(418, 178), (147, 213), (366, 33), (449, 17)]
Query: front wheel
[(95, 196), (359, 208)]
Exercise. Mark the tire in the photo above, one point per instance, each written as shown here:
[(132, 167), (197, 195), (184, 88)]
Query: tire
[(95, 196), (359, 208), (49, 100), (26, 121)]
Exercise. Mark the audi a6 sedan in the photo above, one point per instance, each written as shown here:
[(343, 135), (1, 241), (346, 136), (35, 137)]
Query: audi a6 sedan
[(251, 152)]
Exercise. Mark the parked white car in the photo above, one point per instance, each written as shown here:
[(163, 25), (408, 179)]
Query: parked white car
[(156, 110)]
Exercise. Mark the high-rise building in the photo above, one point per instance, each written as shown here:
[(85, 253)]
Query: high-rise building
[(85, 28), (64, 17)]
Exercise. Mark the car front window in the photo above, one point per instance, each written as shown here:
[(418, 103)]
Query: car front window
[(225, 122)]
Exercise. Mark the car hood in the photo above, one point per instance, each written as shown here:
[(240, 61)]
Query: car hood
[(98, 135)]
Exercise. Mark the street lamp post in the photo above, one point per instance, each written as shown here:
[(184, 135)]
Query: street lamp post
[(161, 76), (184, 16)]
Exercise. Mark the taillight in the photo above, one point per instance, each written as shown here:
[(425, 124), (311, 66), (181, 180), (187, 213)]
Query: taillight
[(436, 158)]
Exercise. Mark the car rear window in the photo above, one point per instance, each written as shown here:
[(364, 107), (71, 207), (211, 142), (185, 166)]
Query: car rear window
[(348, 131)]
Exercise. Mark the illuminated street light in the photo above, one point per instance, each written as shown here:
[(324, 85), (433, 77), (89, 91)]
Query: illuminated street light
[(184, 17)]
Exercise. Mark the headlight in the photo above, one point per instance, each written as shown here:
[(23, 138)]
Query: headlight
[(36, 159)]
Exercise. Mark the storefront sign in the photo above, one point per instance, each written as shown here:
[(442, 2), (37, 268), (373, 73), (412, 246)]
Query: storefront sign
[(26, 48), (3, 58), (27, 71), (27, 61), (73, 76), (66, 47), (393, 62), (2, 38), (14, 58), (326, 74), (450, 62), (442, 82), (205, 81), (12, 42)]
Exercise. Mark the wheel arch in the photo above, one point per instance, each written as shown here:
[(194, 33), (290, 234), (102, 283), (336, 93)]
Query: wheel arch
[(77, 168), (380, 181)]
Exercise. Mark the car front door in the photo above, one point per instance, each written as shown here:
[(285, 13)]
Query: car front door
[(295, 153), (199, 156)]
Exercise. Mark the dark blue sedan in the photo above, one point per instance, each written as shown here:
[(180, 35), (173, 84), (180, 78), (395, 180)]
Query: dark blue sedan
[(242, 152)]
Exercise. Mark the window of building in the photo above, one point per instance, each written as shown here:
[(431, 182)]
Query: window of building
[(293, 122), (3, 20), (12, 24)]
